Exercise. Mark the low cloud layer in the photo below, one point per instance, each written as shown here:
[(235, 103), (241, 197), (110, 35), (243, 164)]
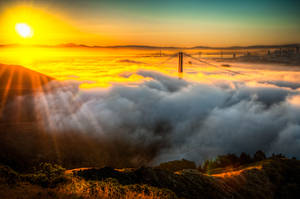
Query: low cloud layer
[(167, 118)]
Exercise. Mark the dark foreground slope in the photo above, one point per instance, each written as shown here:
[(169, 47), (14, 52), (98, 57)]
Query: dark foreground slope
[(271, 178), (268, 179)]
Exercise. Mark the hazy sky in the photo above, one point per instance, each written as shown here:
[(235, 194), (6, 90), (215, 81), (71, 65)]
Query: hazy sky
[(170, 22)]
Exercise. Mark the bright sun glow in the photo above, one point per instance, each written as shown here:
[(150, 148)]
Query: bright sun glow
[(24, 30)]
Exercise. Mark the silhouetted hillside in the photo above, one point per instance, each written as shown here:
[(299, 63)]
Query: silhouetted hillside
[(18, 81)]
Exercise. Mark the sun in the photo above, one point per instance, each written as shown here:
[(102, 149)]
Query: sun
[(24, 30)]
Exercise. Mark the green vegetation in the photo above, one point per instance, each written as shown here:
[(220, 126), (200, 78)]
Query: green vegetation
[(233, 161), (46, 175)]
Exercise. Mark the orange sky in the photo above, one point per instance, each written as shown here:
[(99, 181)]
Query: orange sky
[(57, 23)]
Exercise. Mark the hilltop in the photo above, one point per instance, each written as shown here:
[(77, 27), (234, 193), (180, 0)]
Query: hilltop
[(17, 80)]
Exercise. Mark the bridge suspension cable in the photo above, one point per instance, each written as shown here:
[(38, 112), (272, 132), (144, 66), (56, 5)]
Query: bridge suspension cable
[(180, 69), (217, 66), (170, 57)]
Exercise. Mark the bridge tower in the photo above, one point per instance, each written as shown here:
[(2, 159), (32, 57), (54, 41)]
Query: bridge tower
[(180, 63)]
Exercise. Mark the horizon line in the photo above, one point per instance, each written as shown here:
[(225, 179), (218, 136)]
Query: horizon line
[(74, 45)]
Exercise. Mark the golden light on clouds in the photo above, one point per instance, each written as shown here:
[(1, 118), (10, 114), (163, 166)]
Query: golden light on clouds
[(97, 67), (295, 100)]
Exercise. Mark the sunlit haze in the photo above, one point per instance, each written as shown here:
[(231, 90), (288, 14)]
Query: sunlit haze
[(161, 23), (24, 30)]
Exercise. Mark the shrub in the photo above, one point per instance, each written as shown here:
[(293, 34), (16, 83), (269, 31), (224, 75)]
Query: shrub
[(231, 160), (221, 161), (245, 158), (177, 165), (9, 175), (259, 156), (47, 175)]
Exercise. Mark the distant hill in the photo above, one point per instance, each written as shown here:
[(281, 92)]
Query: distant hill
[(248, 47), (72, 45)]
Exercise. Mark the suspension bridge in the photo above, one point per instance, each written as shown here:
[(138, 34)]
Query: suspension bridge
[(199, 61)]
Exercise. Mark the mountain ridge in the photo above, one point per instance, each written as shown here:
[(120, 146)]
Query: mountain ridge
[(73, 45)]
